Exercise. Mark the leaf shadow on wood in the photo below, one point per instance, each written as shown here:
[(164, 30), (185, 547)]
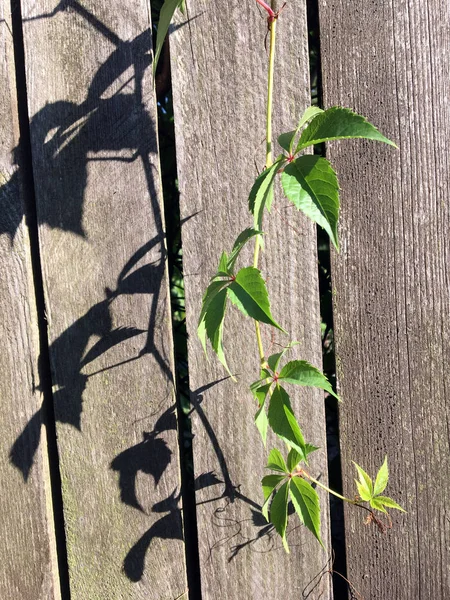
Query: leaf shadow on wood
[(262, 537), (111, 124)]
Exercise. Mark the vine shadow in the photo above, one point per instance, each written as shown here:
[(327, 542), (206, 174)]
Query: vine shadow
[(63, 135)]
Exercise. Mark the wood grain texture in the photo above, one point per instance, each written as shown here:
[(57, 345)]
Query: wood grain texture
[(219, 68), (102, 242), (27, 551), (389, 61)]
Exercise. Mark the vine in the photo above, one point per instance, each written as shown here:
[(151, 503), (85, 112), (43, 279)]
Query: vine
[(310, 183)]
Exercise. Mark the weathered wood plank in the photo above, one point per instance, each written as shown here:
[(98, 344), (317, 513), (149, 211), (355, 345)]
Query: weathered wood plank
[(389, 61), (27, 548), (219, 67), (96, 170)]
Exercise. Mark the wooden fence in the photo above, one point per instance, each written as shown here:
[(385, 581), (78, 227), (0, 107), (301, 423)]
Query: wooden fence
[(90, 465)]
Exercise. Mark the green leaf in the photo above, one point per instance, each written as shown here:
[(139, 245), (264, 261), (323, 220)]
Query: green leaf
[(276, 461), (213, 323), (309, 448), (300, 372), (389, 503), (286, 140), (339, 123), (260, 392), (211, 292), (363, 493), (283, 422), (310, 183), (375, 503), (293, 459), (310, 113), (240, 242), (279, 512), (261, 194), (366, 482), (269, 483), (165, 17), (249, 293), (381, 479), (274, 360), (223, 264), (306, 503), (262, 422)]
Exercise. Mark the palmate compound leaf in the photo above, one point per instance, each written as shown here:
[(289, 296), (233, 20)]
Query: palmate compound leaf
[(306, 503), (165, 17), (261, 194), (300, 372), (279, 512), (287, 140), (339, 123), (310, 183), (249, 293), (283, 422)]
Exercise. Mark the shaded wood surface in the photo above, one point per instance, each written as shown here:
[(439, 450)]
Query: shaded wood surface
[(219, 68), (95, 160), (27, 541), (389, 61)]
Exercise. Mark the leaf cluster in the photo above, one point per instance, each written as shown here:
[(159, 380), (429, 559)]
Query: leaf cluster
[(308, 180), (246, 289), (370, 491), (288, 485)]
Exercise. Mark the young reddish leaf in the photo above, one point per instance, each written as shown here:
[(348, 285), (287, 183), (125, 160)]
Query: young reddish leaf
[(381, 479), (279, 512), (283, 422), (300, 372), (276, 461), (249, 293), (310, 183), (339, 123), (306, 503)]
